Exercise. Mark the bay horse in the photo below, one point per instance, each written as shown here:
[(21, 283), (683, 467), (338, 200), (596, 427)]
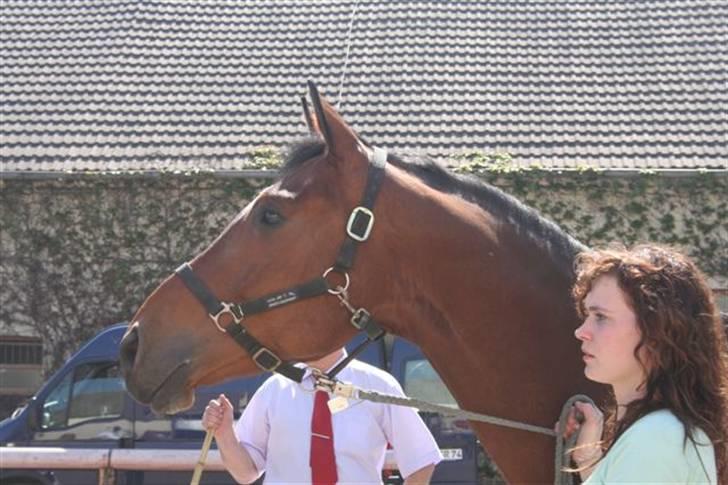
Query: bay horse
[(475, 278)]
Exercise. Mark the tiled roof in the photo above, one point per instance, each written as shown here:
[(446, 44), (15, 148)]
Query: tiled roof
[(139, 85)]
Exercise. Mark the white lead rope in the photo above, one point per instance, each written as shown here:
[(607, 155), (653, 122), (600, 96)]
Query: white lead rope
[(348, 391)]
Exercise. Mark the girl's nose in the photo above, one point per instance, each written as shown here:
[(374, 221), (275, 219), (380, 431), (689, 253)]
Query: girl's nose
[(580, 333)]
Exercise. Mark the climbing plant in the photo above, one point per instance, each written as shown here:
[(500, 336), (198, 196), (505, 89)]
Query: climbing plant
[(82, 252), (599, 208)]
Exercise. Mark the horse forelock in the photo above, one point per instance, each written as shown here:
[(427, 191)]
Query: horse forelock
[(296, 154)]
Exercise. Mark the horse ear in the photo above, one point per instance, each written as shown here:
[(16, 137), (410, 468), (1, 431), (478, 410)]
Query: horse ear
[(337, 134), (312, 127)]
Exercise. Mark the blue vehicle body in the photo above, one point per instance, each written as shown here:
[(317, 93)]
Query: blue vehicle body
[(84, 405)]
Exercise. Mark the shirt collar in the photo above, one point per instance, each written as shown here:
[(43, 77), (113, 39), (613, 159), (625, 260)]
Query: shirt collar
[(308, 370)]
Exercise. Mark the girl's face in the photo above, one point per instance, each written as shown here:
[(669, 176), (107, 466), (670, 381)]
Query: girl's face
[(609, 336)]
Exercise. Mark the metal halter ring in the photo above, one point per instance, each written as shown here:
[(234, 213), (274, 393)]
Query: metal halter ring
[(339, 289), (226, 308)]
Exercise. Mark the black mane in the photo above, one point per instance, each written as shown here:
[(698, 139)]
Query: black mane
[(526, 220)]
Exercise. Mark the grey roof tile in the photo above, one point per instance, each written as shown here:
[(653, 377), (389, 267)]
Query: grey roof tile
[(92, 84)]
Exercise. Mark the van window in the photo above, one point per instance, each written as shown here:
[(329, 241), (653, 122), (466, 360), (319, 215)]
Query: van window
[(95, 391), (55, 407), (421, 381)]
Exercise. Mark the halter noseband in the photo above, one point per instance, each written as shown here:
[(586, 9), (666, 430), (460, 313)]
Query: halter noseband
[(358, 229)]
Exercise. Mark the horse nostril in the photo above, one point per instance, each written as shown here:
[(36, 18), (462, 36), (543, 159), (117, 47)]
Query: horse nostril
[(128, 350)]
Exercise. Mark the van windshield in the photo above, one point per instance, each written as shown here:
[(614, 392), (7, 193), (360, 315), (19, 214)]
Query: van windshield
[(421, 381), (91, 391)]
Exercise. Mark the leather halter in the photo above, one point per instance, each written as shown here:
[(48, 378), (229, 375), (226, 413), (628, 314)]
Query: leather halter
[(358, 229)]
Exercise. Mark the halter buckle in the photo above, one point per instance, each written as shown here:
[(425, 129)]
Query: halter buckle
[(227, 308), (322, 382), (268, 360), (360, 215), (360, 318)]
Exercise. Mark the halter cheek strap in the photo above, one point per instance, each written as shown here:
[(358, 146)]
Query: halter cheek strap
[(216, 310), (358, 229)]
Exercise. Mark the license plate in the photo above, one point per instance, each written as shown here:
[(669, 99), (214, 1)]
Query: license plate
[(452, 454)]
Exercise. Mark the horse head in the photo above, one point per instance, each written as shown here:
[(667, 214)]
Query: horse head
[(289, 234)]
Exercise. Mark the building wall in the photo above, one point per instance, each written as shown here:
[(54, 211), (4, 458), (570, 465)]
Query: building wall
[(81, 253)]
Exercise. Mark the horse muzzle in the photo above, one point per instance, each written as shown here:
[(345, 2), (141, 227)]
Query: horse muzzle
[(166, 391)]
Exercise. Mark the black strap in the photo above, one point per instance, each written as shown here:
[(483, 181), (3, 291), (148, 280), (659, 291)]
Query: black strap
[(199, 289), (263, 357), (309, 289), (357, 350), (363, 320), (375, 175)]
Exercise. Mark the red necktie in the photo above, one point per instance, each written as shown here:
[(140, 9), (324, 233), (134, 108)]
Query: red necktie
[(323, 461)]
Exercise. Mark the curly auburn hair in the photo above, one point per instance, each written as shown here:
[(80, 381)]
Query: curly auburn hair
[(682, 334)]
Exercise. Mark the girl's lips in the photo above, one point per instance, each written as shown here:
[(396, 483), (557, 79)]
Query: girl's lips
[(586, 356)]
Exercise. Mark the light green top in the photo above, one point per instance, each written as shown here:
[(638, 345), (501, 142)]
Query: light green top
[(652, 451)]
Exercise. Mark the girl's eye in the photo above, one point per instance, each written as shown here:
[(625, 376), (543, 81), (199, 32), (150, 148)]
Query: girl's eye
[(270, 217), (599, 317)]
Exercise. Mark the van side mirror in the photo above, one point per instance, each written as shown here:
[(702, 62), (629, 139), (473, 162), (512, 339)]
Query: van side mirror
[(34, 415)]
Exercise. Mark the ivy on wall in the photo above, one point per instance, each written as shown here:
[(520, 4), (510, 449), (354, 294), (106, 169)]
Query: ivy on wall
[(81, 253), (688, 212)]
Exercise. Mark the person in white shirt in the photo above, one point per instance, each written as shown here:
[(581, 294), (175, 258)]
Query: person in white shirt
[(273, 435)]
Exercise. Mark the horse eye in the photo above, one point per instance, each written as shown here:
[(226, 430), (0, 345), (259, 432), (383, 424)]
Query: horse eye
[(270, 217)]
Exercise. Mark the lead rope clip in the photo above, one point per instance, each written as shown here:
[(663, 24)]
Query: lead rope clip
[(342, 392)]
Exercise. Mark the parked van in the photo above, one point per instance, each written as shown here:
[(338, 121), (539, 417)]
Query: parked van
[(85, 405)]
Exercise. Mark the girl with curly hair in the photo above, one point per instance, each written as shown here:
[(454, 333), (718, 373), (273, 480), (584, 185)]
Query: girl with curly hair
[(652, 332)]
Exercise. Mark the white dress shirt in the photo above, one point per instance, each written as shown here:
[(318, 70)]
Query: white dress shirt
[(275, 429)]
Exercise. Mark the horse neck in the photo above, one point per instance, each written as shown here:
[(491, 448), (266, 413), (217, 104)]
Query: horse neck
[(489, 294), (491, 309)]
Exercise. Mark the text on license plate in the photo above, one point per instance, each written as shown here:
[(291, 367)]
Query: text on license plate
[(451, 454)]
